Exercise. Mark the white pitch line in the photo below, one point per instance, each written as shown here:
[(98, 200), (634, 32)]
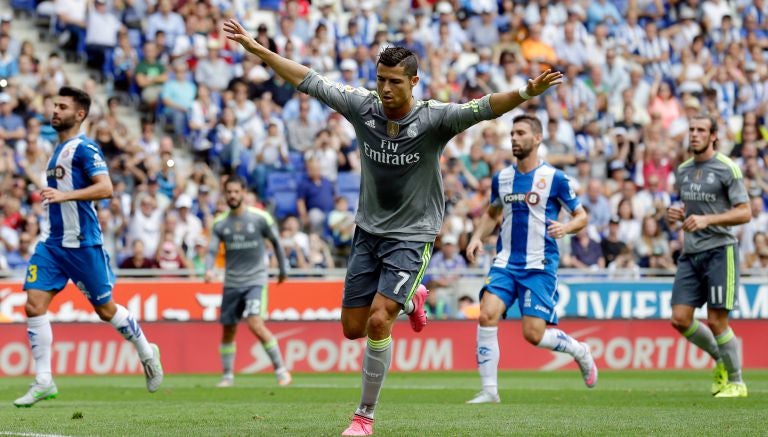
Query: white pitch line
[(29, 434)]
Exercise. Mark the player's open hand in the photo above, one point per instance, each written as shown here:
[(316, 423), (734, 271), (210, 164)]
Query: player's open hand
[(695, 223), (474, 249), (555, 229), (237, 33), (543, 82), (52, 195)]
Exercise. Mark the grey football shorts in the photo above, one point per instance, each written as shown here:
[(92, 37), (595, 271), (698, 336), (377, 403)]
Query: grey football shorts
[(393, 268), (710, 277), (242, 302)]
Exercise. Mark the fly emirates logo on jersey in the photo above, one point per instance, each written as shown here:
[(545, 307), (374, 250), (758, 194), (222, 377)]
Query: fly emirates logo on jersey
[(387, 153)]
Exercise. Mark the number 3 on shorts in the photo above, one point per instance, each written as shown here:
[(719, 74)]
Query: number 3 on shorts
[(405, 277), (32, 273)]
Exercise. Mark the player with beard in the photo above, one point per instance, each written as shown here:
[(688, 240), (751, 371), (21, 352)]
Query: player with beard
[(243, 230), (527, 198), (714, 198), (70, 247)]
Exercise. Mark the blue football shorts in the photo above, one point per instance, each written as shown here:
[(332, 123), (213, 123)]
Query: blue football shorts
[(88, 267), (535, 291)]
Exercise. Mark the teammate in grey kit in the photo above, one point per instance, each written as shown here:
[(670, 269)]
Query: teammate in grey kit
[(401, 192), (714, 198), (243, 229)]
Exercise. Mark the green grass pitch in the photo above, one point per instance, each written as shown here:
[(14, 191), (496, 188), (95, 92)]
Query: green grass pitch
[(669, 403)]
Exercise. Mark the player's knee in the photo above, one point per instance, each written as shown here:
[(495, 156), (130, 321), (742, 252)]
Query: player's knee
[(353, 332), (34, 309), (681, 324), (488, 319), (378, 323), (532, 335)]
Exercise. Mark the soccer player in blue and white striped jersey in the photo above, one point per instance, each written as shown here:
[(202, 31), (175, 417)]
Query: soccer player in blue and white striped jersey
[(71, 247), (527, 197)]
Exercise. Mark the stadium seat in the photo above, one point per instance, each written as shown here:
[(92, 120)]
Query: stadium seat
[(348, 182), (297, 161), (280, 182), (285, 204), (27, 6)]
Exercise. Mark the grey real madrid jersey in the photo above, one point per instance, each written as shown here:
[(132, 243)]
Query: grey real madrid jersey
[(710, 187), (243, 237), (401, 190)]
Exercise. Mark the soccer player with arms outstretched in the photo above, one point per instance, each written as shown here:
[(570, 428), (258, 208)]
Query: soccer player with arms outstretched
[(527, 198), (243, 230), (71, 247), (401, 194), (714, 198)]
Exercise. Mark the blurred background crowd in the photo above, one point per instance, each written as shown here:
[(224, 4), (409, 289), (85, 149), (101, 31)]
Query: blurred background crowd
[(636, 71)]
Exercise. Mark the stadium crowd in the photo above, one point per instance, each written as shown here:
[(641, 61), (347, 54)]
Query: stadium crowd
[(636, 71)]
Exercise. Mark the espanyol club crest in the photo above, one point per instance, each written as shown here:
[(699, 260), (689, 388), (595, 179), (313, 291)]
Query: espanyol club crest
[(532, 198), (66, 152), (413, 130), (541, 184)]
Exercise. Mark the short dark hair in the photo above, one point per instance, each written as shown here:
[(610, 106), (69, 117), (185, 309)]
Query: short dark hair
[(234, 179), (712, 125), (532, 121), (80, 97), (400, 56), (712, 121)]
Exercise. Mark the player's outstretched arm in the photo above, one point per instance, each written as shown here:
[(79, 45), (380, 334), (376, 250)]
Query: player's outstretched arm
[(291, 71), (488, 223), (506, 101), (101, 188)]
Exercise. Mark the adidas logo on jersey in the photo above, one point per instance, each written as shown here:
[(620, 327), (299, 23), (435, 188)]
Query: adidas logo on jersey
[(371, 123)]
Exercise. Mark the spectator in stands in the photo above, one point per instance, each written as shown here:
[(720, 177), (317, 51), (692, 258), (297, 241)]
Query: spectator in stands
[(629, 226), (444, 286), (746, 233), (203, 117), (315, 198), (19, 259), (596, 202), (652, 248), (146, 224), (33, 160), (302, 130), (110, 235), (341, 223), (327, 151), (758, 257), (125, 60), (214, 71), (611, 244), (71, 21), (170, 256), (101, 30), (166, 20), (295, 243), (188, 226), (11, 125), (150, 74), (138, 258), (178, 95), (319, 256), (586, 253)]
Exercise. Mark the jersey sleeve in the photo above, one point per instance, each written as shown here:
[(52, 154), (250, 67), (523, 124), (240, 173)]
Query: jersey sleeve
[(344, 99), (737, 191), (458, 117), (270, 232), (495, 200), (565, 192), (90, 158)]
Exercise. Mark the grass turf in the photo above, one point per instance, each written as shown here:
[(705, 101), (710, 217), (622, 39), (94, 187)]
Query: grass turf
[(424, 404)]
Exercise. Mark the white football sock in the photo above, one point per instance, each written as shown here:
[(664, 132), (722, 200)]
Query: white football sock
[(559, 341), (40, 340), (129, 328), (488, 358)]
